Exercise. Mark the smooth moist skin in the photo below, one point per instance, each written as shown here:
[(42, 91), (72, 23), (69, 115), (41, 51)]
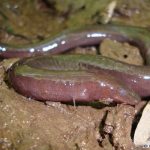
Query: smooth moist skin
[(90, 35), (81, 77), (69, 77)]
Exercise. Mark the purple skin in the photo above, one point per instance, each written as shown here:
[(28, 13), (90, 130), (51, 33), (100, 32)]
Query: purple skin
[(74, 90), (91, 35), (56, 81), (128, 76)]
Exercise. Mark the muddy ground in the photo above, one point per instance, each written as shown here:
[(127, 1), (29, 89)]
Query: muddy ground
[(27, 124)]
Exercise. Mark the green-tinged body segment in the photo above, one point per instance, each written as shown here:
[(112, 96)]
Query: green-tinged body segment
[(90, 35), (82, 77)]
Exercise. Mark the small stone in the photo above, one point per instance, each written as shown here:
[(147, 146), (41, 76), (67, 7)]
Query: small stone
[(142, 132), (121, 51)]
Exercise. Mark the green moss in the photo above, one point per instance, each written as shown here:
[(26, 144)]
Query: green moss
[(133, 12), (26, 18), (82, 11)]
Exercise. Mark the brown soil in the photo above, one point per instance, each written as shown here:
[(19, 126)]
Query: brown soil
[(29, 124), (26, 124)]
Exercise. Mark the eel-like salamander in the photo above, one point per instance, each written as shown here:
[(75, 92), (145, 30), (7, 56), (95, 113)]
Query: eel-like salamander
[(79, 77)]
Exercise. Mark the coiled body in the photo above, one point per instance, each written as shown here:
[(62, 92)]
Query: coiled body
[(108, 78)]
